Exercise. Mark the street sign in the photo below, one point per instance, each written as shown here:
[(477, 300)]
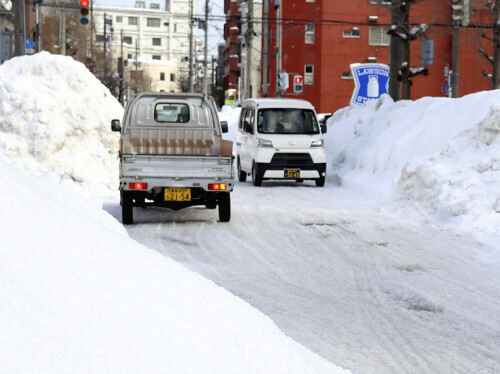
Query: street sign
[(370, 82)]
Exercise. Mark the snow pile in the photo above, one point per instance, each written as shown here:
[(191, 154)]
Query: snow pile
[(77, 295), (442, 153), (56, 115)]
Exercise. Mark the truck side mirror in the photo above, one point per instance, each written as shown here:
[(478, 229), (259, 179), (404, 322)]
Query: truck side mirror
[(224, 126), (115, 125), (323, 128)]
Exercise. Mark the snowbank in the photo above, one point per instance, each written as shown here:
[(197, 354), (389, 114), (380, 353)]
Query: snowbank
[(55, 115), (442, 153)]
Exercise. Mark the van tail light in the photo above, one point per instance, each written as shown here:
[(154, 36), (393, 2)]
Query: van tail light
[(138, 186), (217, 187)]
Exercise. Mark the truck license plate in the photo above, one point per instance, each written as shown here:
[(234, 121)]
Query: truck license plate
[(177, 194), (292, 173)]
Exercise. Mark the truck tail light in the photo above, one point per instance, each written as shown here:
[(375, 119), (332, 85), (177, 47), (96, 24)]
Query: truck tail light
[(138, 186), (217, 186)]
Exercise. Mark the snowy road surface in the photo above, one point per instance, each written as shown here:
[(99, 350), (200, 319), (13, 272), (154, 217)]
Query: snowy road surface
[(372, 286)]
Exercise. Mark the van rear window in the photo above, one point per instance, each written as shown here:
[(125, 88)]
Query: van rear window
[(287, 121), (171, 112)]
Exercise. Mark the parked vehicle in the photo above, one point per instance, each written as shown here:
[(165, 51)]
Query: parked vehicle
[(172, 154), (280, 139)]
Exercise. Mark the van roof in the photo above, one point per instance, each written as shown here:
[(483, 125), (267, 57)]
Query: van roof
[(267, 102)]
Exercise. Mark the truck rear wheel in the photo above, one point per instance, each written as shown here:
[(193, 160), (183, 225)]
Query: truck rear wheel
[(127, 208), (224, 207), (320, 182)]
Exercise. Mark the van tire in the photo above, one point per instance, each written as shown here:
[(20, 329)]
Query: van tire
[(224, 207), (127, 208), (256, 177), (320, 182), (242, 176)]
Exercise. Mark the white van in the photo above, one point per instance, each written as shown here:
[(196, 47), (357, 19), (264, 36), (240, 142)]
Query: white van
[(280, 139)]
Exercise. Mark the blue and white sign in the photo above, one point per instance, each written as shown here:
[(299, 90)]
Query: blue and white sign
[(370, 82)]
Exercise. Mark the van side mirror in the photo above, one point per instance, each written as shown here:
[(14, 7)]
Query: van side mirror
[(224, 126), (323, 128), (115, 125), (248, 127)]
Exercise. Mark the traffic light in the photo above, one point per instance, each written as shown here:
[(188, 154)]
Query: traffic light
[(283, 80), (298, 83), (84, 12)]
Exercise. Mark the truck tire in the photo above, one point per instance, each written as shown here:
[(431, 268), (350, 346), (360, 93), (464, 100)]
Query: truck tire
[(242, 176), (320, 182), (127, 208), (256, 177), (224, 207)]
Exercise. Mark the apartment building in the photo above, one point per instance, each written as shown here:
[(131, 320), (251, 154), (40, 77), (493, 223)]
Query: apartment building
[(320, 39)]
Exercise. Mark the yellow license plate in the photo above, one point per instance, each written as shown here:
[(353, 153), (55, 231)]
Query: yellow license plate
[(177, 194), (292, 173)]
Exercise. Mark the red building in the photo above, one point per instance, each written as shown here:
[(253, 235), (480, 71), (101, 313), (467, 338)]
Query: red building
[(321, 39), (232, 48)]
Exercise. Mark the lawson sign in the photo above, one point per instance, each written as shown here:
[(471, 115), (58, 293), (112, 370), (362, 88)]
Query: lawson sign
[(370, 82)]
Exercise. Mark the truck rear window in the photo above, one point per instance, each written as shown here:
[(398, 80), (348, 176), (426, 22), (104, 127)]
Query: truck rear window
[(171, 113), (287, 121)]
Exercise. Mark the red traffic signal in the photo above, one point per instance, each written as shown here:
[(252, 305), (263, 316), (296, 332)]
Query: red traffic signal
[(84, 12), (298, 83)]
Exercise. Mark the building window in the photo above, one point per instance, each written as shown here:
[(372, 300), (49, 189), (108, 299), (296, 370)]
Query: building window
[(310, 33), (133, 21), (167, 5), (157, 41), (127, 39), (172, 77), (153, 22), (99, 38), (380, 2), (346, 75), (309, 74), (354, 33), (379, 36), (156, 57), (162, 76), (310, 1), (119, 19)]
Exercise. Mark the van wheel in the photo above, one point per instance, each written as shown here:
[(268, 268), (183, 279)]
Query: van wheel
[(127, 208), (256, 178), (224, 207), (320, 182), (242, 176)]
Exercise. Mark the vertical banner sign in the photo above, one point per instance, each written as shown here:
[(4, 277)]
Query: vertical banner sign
[(370, 82)]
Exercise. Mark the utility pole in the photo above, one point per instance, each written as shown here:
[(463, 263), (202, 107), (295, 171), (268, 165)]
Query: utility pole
[(19, 28), (205, 63), (265, 45), (278, 46), (395, 61), (457, 7), (191, 46), (248, 41), (120, 70)]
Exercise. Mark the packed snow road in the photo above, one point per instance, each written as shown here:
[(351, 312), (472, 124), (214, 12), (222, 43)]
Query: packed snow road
[(370, 285)]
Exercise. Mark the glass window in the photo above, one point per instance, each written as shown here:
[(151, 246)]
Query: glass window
[(173, 113), (127, 39), (162, 76), (310, 33), (153, 22), (133, 20), (119, 19), (379, 36), (156, 57), (156, 41), (172, 77), (309, 74), (287, 121)]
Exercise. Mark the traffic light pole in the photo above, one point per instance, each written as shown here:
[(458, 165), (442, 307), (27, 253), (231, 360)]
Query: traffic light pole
[(278, 48)]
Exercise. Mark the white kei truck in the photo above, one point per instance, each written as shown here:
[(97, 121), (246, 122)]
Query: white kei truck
[(172, 154)]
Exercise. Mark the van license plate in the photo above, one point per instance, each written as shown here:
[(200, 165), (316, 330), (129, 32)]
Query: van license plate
[(177, 194), (292, 173)]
